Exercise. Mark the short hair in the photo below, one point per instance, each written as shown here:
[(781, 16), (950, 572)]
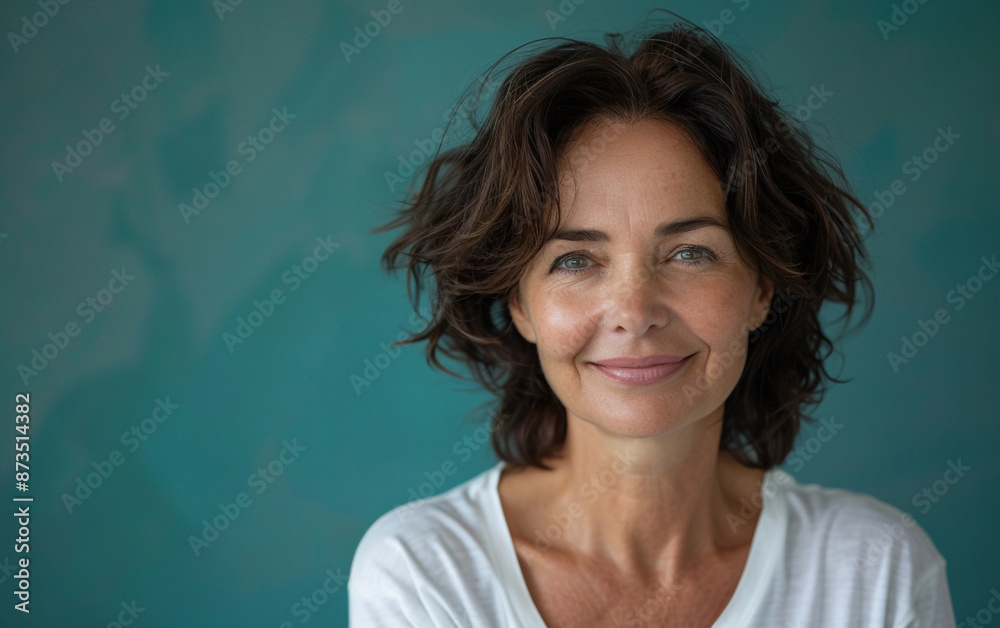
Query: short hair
[(485, 209)]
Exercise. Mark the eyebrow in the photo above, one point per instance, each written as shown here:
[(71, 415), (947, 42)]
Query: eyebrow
[(664, 230)]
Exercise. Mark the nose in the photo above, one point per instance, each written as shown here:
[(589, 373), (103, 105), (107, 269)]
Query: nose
[(636, 298)]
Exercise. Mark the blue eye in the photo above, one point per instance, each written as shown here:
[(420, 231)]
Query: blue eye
[(576, 262), (706, 254), (571, 257)]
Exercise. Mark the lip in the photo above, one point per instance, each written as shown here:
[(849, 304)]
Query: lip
[(655, 372), (634, 363)]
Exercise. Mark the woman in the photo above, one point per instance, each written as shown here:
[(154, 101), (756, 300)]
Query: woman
[(632, 254)]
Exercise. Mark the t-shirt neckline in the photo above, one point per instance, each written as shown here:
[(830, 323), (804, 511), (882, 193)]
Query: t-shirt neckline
[(768, 538)]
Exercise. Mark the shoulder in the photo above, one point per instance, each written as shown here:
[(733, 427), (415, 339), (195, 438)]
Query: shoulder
[(853, 556), (427, 563), (424, 534), (858, 535)]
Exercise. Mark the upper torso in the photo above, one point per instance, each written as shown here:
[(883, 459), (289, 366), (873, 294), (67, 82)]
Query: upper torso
[(571, 589), (818, 557)]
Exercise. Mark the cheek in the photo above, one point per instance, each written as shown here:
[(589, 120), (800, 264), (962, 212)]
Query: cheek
[(717, 314), (564, 326), (721, 325)]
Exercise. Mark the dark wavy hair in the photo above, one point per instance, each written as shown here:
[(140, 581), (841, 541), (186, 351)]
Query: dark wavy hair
[(485, 209)]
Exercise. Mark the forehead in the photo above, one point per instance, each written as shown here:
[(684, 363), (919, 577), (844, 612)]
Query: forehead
[(650, 169)]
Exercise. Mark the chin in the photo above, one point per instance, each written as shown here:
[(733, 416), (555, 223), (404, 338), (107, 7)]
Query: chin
[(637, 419)]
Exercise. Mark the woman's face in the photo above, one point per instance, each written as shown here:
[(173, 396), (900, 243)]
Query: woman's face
[(643, 266)]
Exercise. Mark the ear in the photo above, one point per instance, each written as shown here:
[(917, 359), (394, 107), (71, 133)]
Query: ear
[(518, 316), (762, 302)]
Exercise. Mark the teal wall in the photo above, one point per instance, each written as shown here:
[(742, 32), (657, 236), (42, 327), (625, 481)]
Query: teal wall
[(286, 391)]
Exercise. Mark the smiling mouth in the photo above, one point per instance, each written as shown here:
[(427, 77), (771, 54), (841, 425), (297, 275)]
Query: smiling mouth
[(641, 375)]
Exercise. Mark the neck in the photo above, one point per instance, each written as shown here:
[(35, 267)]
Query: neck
[(656, 505)]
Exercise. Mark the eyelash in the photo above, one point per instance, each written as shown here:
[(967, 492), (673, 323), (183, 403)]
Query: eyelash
[(707, 255)]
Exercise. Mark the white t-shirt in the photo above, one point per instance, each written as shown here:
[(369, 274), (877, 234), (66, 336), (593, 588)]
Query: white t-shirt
[(819, 557)]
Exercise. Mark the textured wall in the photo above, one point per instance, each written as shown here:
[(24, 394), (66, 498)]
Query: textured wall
[(160, 400)]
